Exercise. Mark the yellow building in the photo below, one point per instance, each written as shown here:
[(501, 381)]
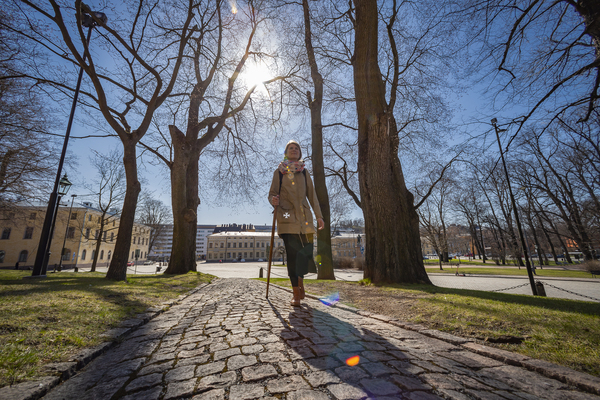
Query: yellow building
[(20, 230), (346, 244), (249, 246)]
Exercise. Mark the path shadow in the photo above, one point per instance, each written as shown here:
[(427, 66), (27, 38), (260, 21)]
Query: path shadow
[(341, 353)]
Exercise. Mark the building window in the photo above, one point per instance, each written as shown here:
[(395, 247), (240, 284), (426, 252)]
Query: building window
[(71, 232), (6, 233), (228, 245), (245, 255), (99, 219), (90, 218), (67, 255), (97, 234), (263, 244), (234, 245), (210, 245), (23, 256), (32, 215), (102, 254), (246, 244), (87, 233), (104, 236), (251, 244), (109, 254), (133, 254), (28, 233), (222, 244), (74, 215), (93, 254), (2, 253), (228, 255), (112, 236), (83, 254)]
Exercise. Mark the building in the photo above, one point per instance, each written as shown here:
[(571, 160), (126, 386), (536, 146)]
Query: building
[(237, 245), (163, 244), (347, 244), (77, 227), (202, 232)]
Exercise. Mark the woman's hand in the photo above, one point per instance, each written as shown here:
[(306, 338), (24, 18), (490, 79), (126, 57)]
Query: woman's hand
[(320, 223), (275, 200)]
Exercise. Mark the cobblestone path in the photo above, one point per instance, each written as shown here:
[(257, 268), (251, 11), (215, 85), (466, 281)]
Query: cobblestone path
[(226, 341)]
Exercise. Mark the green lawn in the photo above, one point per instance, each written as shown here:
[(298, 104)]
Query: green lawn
[(468, 269), (46, 320)]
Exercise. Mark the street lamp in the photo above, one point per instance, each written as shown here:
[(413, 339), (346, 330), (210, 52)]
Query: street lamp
[(62, 253), (90, 19), (514, 205)]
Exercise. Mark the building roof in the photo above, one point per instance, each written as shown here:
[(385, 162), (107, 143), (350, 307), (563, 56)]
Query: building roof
[(240, 235)]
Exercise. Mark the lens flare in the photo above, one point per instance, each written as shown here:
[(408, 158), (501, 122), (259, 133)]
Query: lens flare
[(233, 4), (331, 299), (353, 361)]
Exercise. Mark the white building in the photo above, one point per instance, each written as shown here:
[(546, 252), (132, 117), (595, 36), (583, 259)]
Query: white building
[(164, 242), (250, 246), (202, 232)]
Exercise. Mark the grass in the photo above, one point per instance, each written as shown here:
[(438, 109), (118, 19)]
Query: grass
[(462, 269), (565, 332), (47, 320)]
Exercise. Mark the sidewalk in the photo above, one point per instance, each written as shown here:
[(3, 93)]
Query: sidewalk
[(226, 341)]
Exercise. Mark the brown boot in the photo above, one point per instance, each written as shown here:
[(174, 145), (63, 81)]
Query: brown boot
[(296, 300), (301, 287)]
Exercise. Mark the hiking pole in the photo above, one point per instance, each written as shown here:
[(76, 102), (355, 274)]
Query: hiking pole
[(271, 250)]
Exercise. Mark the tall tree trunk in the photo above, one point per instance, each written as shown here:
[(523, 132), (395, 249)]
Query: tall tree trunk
[(118, 265), (393, 243), (324, 253), (183, 252)]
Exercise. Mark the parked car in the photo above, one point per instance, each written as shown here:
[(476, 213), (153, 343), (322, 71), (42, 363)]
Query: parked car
[(130, 264), (260, 259), (242, 260), (148, 262)]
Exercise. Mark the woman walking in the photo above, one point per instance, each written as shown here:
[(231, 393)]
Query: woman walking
[(291, 191)]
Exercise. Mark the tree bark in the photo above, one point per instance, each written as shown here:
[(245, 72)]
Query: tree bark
[(393, 244), (184, 195), (118, 264), (324, 253)]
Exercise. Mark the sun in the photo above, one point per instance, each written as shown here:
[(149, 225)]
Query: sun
[(255, 74)]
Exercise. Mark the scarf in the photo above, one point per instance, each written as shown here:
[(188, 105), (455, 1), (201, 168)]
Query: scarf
[(290, 167)]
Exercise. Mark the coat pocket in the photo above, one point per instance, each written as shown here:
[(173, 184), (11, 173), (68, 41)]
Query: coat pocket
[(285, 215)]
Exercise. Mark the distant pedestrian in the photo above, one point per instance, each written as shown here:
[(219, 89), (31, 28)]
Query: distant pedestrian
[(17, 265), (291, 191)]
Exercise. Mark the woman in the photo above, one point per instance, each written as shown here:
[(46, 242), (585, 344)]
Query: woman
[(290, 189)]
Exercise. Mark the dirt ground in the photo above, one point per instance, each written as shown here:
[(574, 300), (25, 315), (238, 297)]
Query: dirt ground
[(370, 298)]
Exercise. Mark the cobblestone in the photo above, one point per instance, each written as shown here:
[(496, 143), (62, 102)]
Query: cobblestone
[(226, 341)]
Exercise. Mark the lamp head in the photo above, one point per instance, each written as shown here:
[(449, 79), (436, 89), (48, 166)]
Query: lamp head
[(64, 185), (494, 121)]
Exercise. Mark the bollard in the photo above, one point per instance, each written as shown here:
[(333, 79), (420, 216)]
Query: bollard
[(539, 286), (260, 273)]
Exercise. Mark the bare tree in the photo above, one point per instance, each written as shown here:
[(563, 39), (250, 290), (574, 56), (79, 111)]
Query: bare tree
[(127, 94), (110, 187), (218, 50), (393, 248), (153, 213)]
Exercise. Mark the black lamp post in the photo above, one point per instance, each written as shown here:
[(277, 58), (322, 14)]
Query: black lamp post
[(41, 258), (62, 253), (514, 205)]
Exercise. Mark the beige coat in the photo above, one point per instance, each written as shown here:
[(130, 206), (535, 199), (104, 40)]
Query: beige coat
[(293, 213)]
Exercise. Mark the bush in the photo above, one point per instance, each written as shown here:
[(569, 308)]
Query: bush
[(343, 263), (349, 263), (591, 265)]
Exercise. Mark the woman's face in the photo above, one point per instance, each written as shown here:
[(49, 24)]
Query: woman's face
[(293, 152)]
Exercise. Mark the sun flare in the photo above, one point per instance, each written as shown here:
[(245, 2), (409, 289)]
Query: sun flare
[(255, 74)]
